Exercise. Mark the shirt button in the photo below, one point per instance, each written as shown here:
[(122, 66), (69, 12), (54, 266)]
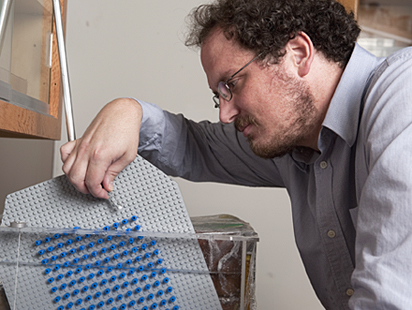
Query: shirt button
[(323, 164), (331, 233), (349, 292)]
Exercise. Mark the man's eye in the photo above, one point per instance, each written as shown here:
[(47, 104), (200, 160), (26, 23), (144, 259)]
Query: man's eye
[(232, 84)]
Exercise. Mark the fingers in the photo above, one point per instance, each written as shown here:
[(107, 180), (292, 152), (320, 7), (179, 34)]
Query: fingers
[(94, 177), (93, 173), (74, 167), (66, 150), (87, 173), (109, 144)]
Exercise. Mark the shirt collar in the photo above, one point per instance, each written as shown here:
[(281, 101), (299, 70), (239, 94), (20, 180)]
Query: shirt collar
[(345, 107)]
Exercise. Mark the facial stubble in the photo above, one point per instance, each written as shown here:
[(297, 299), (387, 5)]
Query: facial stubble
[(303, 120)]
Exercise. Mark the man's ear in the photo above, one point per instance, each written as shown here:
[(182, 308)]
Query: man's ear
[(302, 52)]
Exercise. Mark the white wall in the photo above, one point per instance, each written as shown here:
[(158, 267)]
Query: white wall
[(135, 48), (23, 163)]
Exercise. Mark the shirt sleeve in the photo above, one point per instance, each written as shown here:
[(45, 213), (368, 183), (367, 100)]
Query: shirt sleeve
[(201, 151), (383, 274)]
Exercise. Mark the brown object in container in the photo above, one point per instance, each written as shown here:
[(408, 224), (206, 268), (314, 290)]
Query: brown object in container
[(229, 260)]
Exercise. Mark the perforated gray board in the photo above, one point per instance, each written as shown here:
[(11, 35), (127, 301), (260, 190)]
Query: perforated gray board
[(154, 273)]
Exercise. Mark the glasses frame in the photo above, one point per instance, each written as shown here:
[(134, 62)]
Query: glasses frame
[(226, 85)]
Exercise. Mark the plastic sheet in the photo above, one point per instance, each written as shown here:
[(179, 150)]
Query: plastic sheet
[(228, 245)]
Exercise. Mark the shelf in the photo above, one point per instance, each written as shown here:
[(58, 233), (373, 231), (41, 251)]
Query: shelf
[(30, 102)]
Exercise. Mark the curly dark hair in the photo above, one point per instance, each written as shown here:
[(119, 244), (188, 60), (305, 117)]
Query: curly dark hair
[(267, 25)]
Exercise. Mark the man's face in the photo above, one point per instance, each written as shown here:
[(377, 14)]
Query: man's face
[(271, 106)]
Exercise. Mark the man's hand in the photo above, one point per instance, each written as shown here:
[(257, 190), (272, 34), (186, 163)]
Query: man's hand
[(109, 144)]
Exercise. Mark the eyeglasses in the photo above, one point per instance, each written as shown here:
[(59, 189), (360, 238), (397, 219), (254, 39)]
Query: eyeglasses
[(223, 88)]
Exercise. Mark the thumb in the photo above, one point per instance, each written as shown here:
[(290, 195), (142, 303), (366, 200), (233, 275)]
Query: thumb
[(113, 171)]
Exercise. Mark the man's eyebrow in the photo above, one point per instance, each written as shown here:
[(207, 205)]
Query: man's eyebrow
[(226, 75)]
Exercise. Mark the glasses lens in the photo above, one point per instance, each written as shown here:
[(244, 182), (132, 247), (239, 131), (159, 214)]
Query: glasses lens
[(224, 91)]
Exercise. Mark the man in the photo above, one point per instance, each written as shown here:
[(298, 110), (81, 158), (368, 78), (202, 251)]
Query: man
[(302, 107)]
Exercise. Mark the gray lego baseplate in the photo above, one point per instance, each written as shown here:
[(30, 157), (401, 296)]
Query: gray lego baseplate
[(83, 253)]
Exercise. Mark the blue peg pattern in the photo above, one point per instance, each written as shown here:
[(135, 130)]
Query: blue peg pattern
[(99, 271)]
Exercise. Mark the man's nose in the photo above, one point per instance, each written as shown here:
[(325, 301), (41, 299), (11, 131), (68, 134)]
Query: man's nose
[(228, 111)]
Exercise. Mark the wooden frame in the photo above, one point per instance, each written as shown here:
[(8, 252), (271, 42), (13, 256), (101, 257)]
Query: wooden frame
[(18, 122)]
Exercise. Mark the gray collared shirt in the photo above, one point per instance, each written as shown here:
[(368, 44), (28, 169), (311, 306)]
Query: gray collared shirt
[(351, 202)]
